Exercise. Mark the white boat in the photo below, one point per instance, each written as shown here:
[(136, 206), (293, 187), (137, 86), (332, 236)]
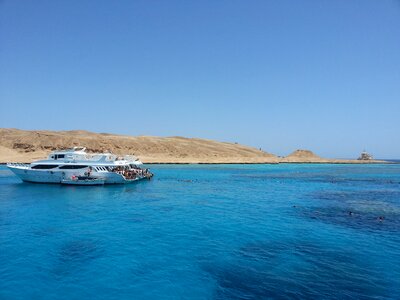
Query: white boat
[(64, 165)]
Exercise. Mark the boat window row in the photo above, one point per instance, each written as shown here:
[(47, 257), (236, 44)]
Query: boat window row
[(44, 167), (72, 167), (101, 169), (64, 167)]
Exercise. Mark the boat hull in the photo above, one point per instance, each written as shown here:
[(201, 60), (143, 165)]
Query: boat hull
[(47, 176), (83, 182)]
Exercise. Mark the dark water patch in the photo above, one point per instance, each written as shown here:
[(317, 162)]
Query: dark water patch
[(183, 180), (354, 181), (372, 210), (260, 252), (322, 178), (45, 231), (353, 217), (79, 251), (167, 208), (383, 181), (152, 197), (187, 180), (135, 218), (130, 190), (263, 176), (295, 270), (293, 178), (76, 254), (366, 196), (141, 269)]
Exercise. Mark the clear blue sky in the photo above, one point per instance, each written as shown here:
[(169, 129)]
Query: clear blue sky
[(281, 75)]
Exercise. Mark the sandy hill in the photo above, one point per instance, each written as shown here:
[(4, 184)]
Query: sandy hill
[(24, 146), (303, 156)]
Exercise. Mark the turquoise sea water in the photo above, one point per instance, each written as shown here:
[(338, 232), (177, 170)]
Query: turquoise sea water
[(206, 232)]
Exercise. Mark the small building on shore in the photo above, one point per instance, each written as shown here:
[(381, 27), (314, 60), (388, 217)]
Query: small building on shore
[(365, 156)]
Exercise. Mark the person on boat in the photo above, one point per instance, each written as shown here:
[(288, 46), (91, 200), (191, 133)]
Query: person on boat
[(89, 172)]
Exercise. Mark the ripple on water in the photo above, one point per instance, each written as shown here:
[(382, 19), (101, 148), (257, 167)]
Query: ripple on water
[(45, 231), (135, 218)]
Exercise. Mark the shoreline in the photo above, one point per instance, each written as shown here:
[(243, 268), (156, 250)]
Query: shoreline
[(259, 163)]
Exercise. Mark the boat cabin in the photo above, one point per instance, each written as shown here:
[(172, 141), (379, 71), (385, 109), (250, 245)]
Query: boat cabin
[(76, 153)]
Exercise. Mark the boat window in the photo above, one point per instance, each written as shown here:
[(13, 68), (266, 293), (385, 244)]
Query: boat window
[(65, 167), (60, 156), (44, 167)]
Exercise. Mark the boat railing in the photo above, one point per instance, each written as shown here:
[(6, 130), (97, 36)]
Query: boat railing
[(18, 165), (73, 150)]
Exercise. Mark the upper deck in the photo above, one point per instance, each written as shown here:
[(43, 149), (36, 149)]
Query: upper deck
[(78, 155)]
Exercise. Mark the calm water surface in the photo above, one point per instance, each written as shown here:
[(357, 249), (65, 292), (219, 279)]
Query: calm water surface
[(206, 232)]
